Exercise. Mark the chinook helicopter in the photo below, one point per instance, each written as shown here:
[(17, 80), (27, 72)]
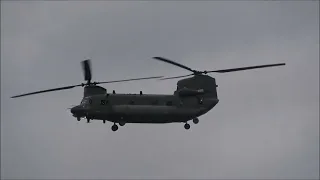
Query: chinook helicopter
[(193, 97)]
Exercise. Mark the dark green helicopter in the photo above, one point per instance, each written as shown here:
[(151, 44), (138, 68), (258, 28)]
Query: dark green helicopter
[(193, 97)]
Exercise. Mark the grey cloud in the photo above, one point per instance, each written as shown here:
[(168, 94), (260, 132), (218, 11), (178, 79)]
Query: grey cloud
[(266, 124)]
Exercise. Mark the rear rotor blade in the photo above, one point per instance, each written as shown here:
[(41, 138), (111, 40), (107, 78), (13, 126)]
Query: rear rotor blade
[(174, 63), (246, 68), (176, 77), (135, 79), (48, 90), (86, 66)]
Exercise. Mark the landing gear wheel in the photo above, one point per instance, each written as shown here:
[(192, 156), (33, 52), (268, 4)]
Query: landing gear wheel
[(195, 120), (78, 118), (88, 120), (104, 121), (114, 127), (122, 123), (187, 126)]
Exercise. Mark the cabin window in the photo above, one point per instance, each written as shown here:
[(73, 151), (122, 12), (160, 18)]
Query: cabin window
[(169, 103), (155, 102), (200, 101), (102, 102)]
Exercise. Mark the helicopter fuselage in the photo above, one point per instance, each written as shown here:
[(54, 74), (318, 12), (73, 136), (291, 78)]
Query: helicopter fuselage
[(144, 108), (194, 97)]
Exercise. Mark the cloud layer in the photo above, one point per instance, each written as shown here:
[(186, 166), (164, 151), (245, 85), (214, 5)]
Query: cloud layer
[(266, 124)]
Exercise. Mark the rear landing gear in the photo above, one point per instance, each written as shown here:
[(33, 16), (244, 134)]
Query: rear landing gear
[(187, 126), (78, 118), (88, 120), (195, 120), (114, 127), (122, 123)]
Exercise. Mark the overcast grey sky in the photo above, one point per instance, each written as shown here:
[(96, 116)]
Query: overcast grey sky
[(266, 124)]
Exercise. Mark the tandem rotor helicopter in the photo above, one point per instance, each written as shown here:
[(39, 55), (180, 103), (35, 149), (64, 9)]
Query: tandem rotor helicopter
[(193, 97)]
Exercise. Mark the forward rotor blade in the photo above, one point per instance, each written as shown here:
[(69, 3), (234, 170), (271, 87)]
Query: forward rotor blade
[(86, 66), (174, 63), (48, 90), (69, 87), (135, 79), (176, 77), (246, 68)]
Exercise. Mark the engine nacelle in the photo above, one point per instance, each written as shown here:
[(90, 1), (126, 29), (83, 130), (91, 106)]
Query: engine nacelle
[(190, 92)]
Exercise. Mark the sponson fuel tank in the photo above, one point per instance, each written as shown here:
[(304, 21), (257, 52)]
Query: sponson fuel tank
[(153, 110)]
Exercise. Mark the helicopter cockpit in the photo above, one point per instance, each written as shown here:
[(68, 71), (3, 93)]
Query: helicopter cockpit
[(85, 102)]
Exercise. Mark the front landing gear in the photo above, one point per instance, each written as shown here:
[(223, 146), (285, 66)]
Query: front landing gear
[(195, 120), (114, 127), (187, 126)]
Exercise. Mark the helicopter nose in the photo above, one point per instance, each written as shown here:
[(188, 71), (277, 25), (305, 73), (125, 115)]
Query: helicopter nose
[(77, 110)]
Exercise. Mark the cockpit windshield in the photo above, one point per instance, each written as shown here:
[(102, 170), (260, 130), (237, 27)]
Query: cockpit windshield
[(85, 101)]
